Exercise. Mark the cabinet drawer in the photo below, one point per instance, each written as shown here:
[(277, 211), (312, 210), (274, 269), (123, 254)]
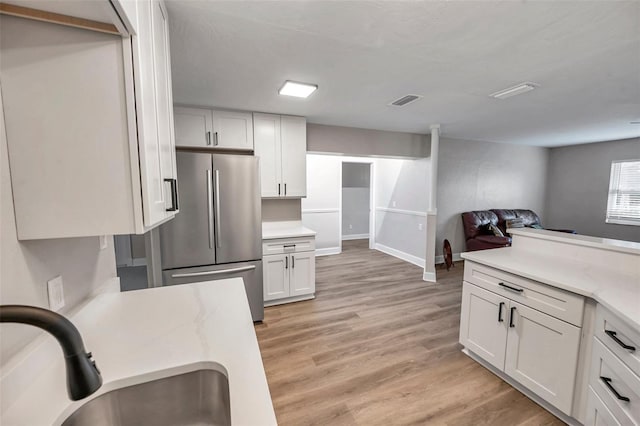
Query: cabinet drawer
[(288, 245), (619, 338), (553, 301), (597, 413), (615, 384)]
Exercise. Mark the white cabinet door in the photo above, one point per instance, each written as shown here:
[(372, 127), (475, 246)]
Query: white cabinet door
[(194, 127), (483, 324), (275, 276), (542, 354), (294, 156), (233, 130), (266, 131), (302, 273)]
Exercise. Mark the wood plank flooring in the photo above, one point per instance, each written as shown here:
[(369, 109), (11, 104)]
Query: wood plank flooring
[(379, 346)]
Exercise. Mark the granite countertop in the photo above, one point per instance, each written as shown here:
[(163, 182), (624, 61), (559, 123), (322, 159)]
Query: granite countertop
[(144, 335), (619, 291), (291, 229)]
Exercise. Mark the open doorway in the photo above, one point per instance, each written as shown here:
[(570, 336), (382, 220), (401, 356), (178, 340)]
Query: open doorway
[(131, 261), (356, 206)]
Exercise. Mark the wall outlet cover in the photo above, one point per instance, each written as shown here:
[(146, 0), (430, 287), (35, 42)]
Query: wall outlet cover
[(419, 227), (55, 290), (393, 203)]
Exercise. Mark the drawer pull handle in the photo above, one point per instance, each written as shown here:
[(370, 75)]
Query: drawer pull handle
[(511, 324), (607, 383), (612, 334), (517, 290), (289, 245), (500, 312)]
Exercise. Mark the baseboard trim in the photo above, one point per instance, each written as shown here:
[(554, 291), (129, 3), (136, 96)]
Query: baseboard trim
[(529, 394), (440, 259), (289, 300), (355, 237), (400, 255), (429, 277), (328, 251)]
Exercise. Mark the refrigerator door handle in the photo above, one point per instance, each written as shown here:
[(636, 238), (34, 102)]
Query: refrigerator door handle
[(209, 209), (217, 221), (206, 273)]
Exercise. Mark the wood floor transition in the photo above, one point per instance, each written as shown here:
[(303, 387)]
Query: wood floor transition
[(379, 346)]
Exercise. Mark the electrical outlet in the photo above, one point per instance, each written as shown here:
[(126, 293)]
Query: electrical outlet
[(350, 226), (103, 242), (419, 227), (393, 203), (55, 291)]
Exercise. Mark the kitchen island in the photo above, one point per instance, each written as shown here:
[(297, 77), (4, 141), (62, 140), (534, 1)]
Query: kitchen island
[(558, 316), (139, 336)]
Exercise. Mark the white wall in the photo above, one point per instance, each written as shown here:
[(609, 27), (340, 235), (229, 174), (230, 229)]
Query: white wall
[(402, 195), (475, 175), (356, 196), (25, 267), (321, 208)]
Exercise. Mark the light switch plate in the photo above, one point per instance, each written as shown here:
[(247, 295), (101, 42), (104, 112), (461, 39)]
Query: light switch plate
[(419, 227), (103, 242), (55, 291)]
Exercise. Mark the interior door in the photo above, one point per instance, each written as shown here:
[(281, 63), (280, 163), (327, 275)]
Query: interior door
[(233, 129), (188, 239), (294, 156), (276, 276), (266, 133), (193, 126), (238, 217), (483, 324), (542, 354), (302, 273)]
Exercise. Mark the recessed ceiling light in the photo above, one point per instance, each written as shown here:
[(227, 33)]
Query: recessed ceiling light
[(513, 91), (299, 90)]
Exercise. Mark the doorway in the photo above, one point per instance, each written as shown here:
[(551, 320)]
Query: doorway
[(356, 203)]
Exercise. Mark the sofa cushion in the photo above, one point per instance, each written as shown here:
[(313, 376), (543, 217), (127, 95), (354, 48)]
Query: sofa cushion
[(484, 242), (475, 222)]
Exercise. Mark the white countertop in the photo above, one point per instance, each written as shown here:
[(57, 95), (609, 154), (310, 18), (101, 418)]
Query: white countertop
[(149, 334), (293, 229), (579, 240), (619, 291)]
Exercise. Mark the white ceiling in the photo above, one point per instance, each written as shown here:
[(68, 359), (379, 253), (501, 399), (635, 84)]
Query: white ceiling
[(363, 55)]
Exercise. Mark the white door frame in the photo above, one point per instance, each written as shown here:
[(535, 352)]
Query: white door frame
[(372, 216)]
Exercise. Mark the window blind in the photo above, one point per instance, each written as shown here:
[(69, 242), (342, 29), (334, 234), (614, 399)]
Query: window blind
[(623, 206)]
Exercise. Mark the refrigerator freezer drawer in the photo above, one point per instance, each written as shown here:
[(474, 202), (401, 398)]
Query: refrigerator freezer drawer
[(250, 272)]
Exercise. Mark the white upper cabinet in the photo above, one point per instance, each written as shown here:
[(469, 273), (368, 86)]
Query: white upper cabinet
[(206, 128), (281, 144), (89, 127)]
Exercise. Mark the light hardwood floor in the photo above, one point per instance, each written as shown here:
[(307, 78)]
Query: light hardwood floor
[(379, 346)]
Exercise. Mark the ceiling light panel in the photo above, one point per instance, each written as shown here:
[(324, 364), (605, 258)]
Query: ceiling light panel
[(298, 90), (515, 90)]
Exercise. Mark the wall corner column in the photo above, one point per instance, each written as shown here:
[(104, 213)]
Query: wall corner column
[(430, 256)]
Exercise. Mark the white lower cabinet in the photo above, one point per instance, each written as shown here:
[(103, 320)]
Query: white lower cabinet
[(597, 412), (289, 276), (531, 347)]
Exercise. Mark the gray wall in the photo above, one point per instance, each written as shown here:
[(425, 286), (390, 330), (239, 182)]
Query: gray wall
[(356, 186), (25, 267), (578, 186), (483, 175), (352, 141)]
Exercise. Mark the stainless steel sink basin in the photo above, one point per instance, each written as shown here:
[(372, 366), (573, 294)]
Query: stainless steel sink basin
[(197, 398)]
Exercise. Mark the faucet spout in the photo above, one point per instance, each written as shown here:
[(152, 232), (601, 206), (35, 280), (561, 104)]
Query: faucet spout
[(83, 377)]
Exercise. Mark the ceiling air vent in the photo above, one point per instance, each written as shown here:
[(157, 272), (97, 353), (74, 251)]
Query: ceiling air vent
[(405, 100)]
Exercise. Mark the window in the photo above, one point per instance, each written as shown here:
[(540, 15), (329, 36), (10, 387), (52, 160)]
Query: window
[(624, 193)]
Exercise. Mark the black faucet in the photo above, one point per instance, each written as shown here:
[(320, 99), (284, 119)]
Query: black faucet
[(83, 377)]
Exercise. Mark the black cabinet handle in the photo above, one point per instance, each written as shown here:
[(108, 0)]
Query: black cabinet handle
[(293, 262), (285, 189), (286, 262), (288, 245), (500, 312), (174, 194), (607, 383), (612, 334), (511, 324), (208, 138), (278, 189), (519, 290)]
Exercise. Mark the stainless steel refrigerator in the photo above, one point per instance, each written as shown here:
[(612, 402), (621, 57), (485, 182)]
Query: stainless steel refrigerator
[(218, 231)]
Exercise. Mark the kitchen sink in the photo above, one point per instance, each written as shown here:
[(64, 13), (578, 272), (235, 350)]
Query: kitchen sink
[(200, 397)]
